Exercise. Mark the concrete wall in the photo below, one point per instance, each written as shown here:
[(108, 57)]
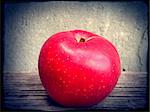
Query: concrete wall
[(28, 25)]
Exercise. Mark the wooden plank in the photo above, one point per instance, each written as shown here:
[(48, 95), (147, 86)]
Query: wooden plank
[(25, 91), (136, 92)]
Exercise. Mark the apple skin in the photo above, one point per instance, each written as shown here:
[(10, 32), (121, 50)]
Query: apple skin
[(78, 68)]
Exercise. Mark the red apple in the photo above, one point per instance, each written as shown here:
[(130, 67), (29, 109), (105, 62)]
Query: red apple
[(78, 68)]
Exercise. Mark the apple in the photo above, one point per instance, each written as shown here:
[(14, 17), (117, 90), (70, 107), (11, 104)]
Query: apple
[(78, 68)]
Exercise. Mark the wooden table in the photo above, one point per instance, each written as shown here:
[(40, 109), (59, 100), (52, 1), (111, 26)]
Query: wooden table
[(25, 91)]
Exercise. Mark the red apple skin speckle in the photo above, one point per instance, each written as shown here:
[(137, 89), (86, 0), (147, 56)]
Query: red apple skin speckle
[(78, 74)]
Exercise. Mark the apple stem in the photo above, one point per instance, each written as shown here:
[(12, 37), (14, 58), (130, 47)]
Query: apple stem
[(82, 40)]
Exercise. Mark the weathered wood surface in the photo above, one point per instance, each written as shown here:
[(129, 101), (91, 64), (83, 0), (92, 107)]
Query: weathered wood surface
[(25, 91)]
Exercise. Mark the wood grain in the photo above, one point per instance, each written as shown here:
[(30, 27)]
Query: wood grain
[(25, 91)]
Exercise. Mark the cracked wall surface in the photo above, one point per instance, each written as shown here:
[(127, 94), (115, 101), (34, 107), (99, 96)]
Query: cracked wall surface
[(28, 26)]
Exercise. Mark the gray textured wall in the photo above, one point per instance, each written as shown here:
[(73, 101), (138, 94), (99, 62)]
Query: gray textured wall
[(28, 25)]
